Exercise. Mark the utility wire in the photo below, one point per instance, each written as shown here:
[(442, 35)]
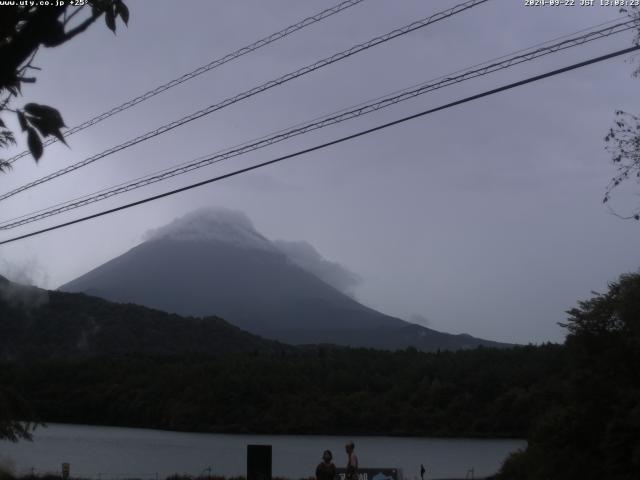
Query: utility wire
[(343, 115), (249, 93), (200, 70), (333, 142)]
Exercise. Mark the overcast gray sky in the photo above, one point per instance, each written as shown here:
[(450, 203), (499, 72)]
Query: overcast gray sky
[(485, 218)]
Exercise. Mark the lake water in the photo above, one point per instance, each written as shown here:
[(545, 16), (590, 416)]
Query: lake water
[(114, 453)]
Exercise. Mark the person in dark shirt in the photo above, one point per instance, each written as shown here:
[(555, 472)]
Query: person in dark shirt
[(326, 470)]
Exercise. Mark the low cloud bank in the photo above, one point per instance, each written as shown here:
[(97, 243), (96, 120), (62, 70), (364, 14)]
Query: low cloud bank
[(220, 224), (307, 257), (17, 284), (235, 227)]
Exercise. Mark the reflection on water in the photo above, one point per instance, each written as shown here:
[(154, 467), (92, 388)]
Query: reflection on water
[(111, 452)]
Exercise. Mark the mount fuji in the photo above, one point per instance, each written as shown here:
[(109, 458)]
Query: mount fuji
[(214, 262)]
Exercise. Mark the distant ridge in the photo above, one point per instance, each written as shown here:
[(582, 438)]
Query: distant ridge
[(214, 262), (38, 325)]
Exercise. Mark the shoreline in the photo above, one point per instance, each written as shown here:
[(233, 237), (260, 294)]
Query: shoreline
[(45, 425)]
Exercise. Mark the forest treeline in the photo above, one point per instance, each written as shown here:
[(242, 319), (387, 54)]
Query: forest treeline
[(482, 392)]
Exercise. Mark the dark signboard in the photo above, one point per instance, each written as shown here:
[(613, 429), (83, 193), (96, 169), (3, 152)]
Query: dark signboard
[(258, 462), (372, 474)]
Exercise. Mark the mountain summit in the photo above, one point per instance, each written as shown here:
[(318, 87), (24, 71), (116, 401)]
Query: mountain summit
[(215, 225), (214, 262)]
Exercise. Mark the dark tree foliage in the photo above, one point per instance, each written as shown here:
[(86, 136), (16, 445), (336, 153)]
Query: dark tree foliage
[(623, 143), (23, 30), (623, 140), (13, 406), (478, 393), (593, 432)]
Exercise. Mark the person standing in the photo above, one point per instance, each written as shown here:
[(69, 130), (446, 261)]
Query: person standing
[(352, 462), (326, 470), (422, 471)]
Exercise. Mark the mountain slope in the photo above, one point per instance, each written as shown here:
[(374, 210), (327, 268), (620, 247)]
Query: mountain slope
[(36, 324), (216, 263)]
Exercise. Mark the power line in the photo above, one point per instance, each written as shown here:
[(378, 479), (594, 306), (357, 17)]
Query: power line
[(200, 70), (249, 93), (338, 117), (343, 115), (333, 142)]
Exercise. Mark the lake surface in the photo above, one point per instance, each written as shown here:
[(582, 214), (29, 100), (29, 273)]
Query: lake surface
[(115, 453)]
